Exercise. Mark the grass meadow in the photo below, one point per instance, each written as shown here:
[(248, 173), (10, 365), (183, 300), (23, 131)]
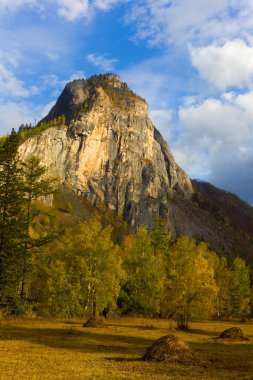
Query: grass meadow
[(61, 349)]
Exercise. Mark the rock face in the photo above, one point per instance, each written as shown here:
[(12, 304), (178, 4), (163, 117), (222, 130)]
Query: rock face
[(110, 152)]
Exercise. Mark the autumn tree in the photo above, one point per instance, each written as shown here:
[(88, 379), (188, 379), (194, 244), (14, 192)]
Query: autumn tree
[(222, 279), (239, 288), (190, 289), (83, 273), (143, 288)]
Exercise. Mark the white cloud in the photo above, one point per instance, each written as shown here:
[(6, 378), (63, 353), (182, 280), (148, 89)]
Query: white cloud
[(102, 62), (13, 5), (74, 9), (10, 85), (150, 80), (77, 75), (183, 21), (53, 57), (107, 4), (70, 10), (21, 113), (12, 115), (225, 66), (43, 110), (215, 142), (56, 85), (162, 119)]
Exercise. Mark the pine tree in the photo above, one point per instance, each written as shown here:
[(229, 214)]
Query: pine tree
[(35, 185), (160, 238), (11, 218), (20, 184)]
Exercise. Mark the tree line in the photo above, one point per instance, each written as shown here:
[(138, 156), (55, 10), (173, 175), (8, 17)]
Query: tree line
[(28, 130), (86, 271)]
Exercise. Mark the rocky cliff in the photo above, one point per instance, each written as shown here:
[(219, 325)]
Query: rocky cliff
[(110, 152)]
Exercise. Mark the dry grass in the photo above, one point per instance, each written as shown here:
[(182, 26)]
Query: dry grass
[(65, 350)]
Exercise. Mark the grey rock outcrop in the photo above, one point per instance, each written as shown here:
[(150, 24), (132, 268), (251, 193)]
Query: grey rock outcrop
[(110, 152)]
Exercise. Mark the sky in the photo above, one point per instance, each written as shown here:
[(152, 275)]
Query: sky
[(192, 60)]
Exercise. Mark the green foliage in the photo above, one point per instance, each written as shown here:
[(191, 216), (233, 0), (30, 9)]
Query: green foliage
[(20, 184), (145, 275), (190, 288), (84, 107), (160, 239), (85, 271), (81, 275), (26, 131), (35, 185), (121, 97), (239, 288), (11, 219), (60, 277), (3, 140), (222, 279)]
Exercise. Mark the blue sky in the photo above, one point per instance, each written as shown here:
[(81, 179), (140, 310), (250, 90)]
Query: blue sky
[(191, 59)]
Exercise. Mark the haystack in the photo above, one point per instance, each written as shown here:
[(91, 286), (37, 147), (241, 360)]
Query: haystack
[(171, 349), (94, 322), (234, 334)]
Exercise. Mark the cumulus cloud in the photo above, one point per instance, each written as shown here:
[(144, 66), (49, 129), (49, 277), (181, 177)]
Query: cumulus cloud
[(151, 80), (13, 5), (74, 9), (225, 66), (182, 21), (10, 85), (107, 4), (70, 10), (102, 62), (162, 118), (215, 142), (20, 113)]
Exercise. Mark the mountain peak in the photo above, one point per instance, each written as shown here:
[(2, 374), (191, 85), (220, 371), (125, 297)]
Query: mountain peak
[(110, 152), (80, 95), (112, 80)]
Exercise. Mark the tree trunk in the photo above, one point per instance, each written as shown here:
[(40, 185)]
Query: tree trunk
[(94, 304)]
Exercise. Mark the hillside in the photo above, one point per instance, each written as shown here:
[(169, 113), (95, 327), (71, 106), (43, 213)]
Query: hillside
[(105, 149), (239, 212)]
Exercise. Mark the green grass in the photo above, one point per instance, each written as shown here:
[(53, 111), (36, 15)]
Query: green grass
[(37, 349)]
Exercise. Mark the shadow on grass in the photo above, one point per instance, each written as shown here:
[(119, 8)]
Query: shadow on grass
[(200, 332), (71, 323), (120, 360), (137, 327), (83, 341), (230, 356)]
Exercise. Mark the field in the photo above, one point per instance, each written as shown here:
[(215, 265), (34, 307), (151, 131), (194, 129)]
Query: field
[(32, 349)]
